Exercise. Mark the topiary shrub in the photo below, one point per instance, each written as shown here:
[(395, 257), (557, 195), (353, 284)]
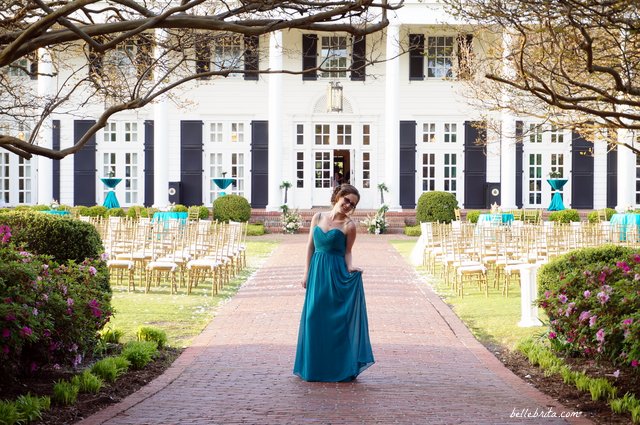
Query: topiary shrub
[(473, 216), (592, 217), (231, 208), (83, 210), (203, 212), (590, 296), (412, 230), (97, 211), (115, 212), (255, 229), (565, 216), (179, 208), (131, 212), (436, 206)]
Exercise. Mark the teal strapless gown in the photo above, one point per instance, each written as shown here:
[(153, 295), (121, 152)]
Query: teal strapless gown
[(333, 340)]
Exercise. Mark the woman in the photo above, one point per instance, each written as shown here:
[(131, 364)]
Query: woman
[(333, 340)]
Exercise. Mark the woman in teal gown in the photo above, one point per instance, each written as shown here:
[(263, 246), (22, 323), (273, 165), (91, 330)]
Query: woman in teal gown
[(333, 339)]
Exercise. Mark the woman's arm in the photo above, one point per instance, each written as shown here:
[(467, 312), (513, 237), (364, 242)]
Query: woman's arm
[(310, 248), (351, 238)]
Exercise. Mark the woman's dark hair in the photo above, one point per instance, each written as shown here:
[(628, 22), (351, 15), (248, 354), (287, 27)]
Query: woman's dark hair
[(343, 190)]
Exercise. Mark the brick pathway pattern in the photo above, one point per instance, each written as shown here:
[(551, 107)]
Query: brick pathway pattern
[(429, 369)]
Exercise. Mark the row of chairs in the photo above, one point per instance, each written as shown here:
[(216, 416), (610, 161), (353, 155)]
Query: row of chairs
[(464, 254), (181, 252)]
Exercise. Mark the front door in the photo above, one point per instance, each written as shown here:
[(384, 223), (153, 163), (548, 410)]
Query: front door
[(331, 167)]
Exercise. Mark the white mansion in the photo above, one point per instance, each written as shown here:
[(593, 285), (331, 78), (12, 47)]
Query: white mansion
[(403, 122)]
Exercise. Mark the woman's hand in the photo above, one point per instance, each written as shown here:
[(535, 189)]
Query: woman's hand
[(356, 269), (304, 283)]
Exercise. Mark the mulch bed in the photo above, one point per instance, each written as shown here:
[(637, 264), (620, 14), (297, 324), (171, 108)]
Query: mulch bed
[(87, 404)]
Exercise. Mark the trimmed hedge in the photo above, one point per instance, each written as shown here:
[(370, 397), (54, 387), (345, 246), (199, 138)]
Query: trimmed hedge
[(592, 217), (231, 208), (436, 206), (565, 216), (473, 216), (59, 237), (412, 230)]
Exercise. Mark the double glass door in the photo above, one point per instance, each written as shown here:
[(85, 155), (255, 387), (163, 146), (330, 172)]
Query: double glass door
[(331, 167)]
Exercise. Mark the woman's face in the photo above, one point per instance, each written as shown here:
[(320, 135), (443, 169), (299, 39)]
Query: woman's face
[(348, 203)]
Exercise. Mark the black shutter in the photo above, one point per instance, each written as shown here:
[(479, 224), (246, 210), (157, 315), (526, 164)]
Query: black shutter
[(144, 56), (358, 63), (475, 164), (581, 173), (612, 176), (251, 58), (55, 145), (416, 56), (33, 66), (84, 166), (465, 55), (408, 164), (148, 162), (260, 164), (309, 56), (191, 162), (519, 162), (203, 54)]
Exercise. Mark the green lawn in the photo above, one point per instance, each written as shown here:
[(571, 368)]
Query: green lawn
[(182, 316), (493, 320)]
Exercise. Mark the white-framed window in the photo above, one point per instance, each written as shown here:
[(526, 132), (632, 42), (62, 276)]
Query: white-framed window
[(334, 56), (299, 134), (110, 133), (4, 178), (131, 132), (557, 135), (557, 163), (322, 167), (228, 52), (108, 165), (440, 56), (366, 170), (237, 173), (131, 178), (25, 181), (344, 134), (122, 59), (322, 133), (300, 170), (450, 133), (19, 67), (366, 134), (450, 172), (216, 132), (428, 132), (428, 172), (535, 179), (535, 133), (216, 168), (237, 132)]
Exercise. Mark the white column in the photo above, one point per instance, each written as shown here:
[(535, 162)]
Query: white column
[(626, 171), (160, 141), (528, 294), (508, 161), (275, 121), (46, 89), (599, 174), (391, 140)]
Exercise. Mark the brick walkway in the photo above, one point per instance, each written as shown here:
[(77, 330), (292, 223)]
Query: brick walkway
[(429, 369)]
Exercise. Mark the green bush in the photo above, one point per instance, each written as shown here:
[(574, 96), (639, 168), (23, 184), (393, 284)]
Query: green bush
[(255, 229), (116, 212), (65, 392), (231, 208), (436, 206), (63, 239), (111, 336), (412, 230), (139, 353), (40, 208), (108, 369), (158, 336), (565, 216), (83, 210), (97, 211), (31, 407), (592, 217), (203, 212), (473, 216), (9, 414), (179, 208), (87, 382)]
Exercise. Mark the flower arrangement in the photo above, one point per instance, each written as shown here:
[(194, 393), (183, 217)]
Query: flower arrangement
[(377, 223), (291, 220), (595, 311)]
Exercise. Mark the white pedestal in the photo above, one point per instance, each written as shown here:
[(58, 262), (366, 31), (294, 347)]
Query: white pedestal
[(528, 293)]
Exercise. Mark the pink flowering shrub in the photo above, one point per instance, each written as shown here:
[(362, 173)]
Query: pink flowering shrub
[(50, 313), (592, 298)]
